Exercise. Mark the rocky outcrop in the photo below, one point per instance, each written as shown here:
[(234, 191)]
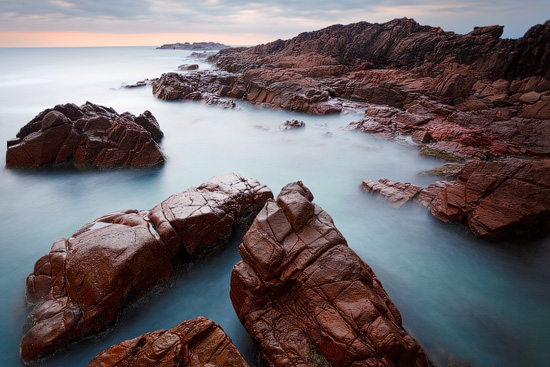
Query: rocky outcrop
[(502, 199), (85, 280), (195, 46), (479, 96), (307, 299), (402, 44), (86, 136), (277, 89), (198, 342)]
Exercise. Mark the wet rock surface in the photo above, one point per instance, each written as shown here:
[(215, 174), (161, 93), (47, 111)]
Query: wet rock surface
[(198, 342), (86, 136), (497, 200), (85, 280), (307, 299)]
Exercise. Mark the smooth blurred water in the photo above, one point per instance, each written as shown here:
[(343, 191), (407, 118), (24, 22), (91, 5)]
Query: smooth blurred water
[(486, 304)]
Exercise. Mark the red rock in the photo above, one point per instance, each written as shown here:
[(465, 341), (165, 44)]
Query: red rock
[(394, 192), (198, 342), (85, 280), (530, 97), (307, 299), (539, 110), (419, 71), (89, 135), (501, 199), (421, 136), (397, 193)]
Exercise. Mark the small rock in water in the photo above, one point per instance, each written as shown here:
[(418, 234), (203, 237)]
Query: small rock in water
[(292, 124), (141, 83), (188, 67)]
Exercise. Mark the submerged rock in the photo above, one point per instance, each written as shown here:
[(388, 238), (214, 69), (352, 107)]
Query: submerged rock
[(86, 136), (497, 200), (307, 299), (85, 280), (199, 342)]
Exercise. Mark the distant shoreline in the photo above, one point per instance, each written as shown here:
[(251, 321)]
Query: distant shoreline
[(195, 46)]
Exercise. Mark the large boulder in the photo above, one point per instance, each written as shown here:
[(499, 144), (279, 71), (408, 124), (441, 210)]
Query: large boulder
[(499, 199), (199, 342), (307, 299), (85, 280), (86, 136)]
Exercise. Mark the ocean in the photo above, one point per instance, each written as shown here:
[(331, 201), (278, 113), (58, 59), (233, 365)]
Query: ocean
[(466, 301)]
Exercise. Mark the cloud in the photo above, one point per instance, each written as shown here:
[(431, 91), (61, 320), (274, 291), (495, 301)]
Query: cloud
[(274, 19)]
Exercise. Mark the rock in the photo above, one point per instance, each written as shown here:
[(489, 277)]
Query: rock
[(502, 199), (421, 136), (497, 200), (539, 111), (188, 67), (202, 55), (398, 193), (307, 299), (86, 136), (198, 342), (466, 91), (292, 125), (276, 89), (141, 83), (530, 97), (195, 46), (85, 280), (395, 192), (448, 170)]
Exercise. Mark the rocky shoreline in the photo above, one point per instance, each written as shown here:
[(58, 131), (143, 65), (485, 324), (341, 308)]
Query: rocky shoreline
[(468, 96), (302, 294)]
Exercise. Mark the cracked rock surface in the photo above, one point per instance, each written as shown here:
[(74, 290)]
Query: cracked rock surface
[(307, 299), (500, 199), (86, 136), (199, 342), (83, 282)]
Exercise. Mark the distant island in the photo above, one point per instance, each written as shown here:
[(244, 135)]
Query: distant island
[(193, 46)]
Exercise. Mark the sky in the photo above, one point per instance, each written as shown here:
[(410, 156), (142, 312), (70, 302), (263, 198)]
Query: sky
[(70, 23)]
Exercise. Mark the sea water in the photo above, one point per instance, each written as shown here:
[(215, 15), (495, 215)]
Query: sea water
[(466, 301)]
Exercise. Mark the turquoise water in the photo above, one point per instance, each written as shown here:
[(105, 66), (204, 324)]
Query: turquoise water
[(464, 300)]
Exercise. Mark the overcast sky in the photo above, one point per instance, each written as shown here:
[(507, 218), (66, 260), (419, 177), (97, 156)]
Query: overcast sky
[(147, 22)]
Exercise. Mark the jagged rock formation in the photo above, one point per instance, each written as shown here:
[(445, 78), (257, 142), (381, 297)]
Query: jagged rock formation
[(307, 299), (502, 199), (497, 91), (198, 342), (85, 280), (86, 136), (195, 46)]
